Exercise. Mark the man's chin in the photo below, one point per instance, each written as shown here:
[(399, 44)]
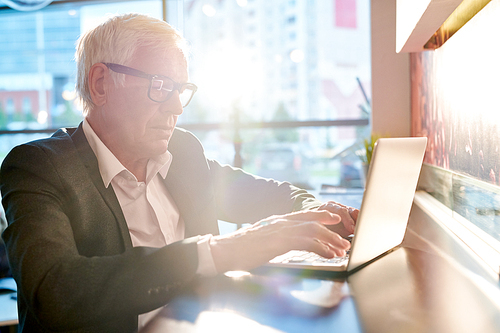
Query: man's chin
[(163, 146), (156, 149)]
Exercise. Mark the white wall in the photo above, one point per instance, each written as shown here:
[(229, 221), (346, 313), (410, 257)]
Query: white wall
[(390, 74)]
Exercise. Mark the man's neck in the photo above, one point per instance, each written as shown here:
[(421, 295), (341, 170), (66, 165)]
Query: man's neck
[(138, 167)]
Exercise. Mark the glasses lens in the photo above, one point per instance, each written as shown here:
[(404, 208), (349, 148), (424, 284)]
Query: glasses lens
[(161, 89), (186, 94)]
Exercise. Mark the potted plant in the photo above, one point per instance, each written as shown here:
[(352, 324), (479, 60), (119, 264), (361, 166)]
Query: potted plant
[(366, 152)]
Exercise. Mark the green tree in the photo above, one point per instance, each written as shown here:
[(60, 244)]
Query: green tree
[(284, 134), (3, 117), (68, 117)]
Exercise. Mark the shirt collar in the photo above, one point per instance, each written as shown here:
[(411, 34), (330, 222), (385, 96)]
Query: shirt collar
[(110, 166)]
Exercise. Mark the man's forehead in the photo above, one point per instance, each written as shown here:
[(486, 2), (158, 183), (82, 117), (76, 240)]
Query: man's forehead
[(169, 62)]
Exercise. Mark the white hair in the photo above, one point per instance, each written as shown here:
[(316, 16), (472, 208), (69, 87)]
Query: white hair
[(116, 41)]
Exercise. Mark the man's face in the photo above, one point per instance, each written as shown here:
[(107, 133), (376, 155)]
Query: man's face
[(136, 125)]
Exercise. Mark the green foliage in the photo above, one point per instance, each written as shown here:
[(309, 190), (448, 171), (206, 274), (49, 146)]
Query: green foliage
[(368, 145), (3, 118), (68, 117), (284, 134), (29, 117), (18, 116)]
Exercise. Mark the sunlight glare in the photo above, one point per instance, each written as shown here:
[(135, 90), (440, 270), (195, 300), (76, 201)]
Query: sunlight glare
[(471, 100), (228, 75), (242, 3), (297, 55), (211, 321), (68, 95), (209, 10), (237, 274), (42, 117)]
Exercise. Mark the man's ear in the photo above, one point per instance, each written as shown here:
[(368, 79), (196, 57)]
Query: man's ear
[(98, 78)]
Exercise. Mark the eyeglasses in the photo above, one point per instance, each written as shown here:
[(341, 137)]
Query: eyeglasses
[(161, 88)]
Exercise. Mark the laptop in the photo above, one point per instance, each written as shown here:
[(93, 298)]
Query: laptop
[(383, 217)]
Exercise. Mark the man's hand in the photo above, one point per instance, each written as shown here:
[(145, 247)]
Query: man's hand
[(255, 245), (348, 216)]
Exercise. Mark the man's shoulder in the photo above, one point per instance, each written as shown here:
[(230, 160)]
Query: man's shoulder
[(62, 137), (60, 145), (184, 139), (59, 157), (180, 132)]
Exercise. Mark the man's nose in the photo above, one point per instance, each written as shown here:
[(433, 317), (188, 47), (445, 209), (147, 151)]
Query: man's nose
[(173, 104)]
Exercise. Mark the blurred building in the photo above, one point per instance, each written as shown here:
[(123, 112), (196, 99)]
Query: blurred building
[(36, 62)]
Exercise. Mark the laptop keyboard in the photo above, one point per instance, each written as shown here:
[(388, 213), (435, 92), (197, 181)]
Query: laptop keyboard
[(312, 258)]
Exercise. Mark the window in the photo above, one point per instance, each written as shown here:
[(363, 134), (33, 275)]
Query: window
[(37, 70), (10, 109), (27, 106), (291, 78), (261, 82), (345, 13)]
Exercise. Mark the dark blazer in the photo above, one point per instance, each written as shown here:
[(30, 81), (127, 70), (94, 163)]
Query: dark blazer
[(68, 242)]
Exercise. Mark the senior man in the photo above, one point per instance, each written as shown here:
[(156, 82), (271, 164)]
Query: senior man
[(108, 220)]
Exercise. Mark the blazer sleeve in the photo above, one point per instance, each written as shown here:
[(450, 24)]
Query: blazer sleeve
[(67, 256), (245, 198), (238, 196)]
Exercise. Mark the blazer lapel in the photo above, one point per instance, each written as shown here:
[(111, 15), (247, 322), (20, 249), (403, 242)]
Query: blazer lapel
[(90, 161), (189, 183)]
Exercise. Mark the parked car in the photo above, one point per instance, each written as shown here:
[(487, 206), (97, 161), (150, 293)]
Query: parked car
[(284, 162)]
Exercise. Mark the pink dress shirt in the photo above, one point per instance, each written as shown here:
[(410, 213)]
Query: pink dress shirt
[(152, 217)]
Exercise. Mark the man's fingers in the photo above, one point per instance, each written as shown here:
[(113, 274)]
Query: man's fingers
[(324, 249), (354, 213), (313, 236), (249, 247), (323, 216), (301, 235), (347, 214)]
